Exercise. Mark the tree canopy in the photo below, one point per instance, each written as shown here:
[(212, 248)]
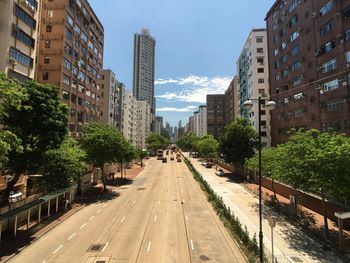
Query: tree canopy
[(188, 141), (155, 142), (239, 141), (208, 147)]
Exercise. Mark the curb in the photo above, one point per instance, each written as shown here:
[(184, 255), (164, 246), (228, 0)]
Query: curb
[(49, 228)]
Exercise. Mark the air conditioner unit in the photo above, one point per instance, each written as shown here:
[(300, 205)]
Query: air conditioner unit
[(12, 61), (314, 14)]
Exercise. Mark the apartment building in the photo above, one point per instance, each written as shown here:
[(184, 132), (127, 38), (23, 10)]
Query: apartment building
[(200, 121), (111, 99), (216, 114), (71, 57), (143, 124), (309, 50), (19, 33), (231, 101), (159, 125), (128, 113), (252, 70)]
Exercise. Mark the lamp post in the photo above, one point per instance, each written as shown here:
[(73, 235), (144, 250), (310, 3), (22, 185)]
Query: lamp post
[(248, 105)]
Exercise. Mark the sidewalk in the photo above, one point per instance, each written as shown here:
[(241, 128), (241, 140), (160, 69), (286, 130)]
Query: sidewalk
[(291, 244)]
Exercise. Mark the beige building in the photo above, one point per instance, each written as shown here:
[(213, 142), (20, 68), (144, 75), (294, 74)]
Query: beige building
[(128, 119), (111, 99), (200, 121), (143, 124), (71, 57), (19, 33)]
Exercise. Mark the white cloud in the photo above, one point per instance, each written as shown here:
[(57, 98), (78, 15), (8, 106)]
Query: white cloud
[(173, 109), (194, 88)]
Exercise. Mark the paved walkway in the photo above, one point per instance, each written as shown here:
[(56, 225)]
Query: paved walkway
[(290, 243)]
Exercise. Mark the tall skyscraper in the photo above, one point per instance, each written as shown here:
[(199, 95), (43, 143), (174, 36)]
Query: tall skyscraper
[(143, 79)]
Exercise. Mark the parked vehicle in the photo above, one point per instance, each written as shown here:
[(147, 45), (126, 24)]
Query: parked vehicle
[(164, 160), (171, 158), (220, 172), (208, 165)]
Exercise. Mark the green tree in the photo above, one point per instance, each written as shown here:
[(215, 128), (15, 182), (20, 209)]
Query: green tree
[(128, 153), (141, 155), (103, 144), (188, 141), (208, 147), (239, 141), (155, 142), (63, 165), (39, 121)]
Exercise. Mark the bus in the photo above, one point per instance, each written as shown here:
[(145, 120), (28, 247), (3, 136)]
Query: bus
[(160, 154)]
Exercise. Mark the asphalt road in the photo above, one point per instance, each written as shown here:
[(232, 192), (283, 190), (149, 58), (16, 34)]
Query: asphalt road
[(162, 217)]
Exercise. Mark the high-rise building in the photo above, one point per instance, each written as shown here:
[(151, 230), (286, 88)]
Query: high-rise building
[(200, 121), (71, 57), (143, 78), (252, 70), (191, 124), (231, 100), (216, 114), (111, 99), (129, 120), (309, 51), (143, 124), (19, 33), (159, 125)]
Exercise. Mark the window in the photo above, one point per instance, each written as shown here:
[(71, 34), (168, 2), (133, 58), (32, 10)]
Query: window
[(83, 37), (49, 28), (21, 58), (347, 34), (275, 52), (294, 51), (293, 21), (68, 34), (297, 82), (46, 60), (260, 70), (50, 13), (277, 76), (333, 106), (296, 66), (23, 37), (82, 76), (277, 64), (67, 64), (66, 80), (261, 81), (260, 50), (346, 13), (284, 59), (331, 85), (75, 71), (299, 113), (326, 28), (283, 45), (259, 39), (70, 20), (21, 14), (329, 65), (347, 57), (326, 8), (65, 95), (77, 29), (45, 75), (329, 46), (293, 5), (283, 32), (47, 43), (294, 36), (285, 73), (275, 39)]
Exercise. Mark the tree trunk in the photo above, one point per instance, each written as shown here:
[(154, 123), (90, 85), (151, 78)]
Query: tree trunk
[(325, 230), (121, 170), (141, 162), (103, 179), (274, 191)]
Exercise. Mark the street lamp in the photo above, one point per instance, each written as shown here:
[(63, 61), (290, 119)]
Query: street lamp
[(248, 105)]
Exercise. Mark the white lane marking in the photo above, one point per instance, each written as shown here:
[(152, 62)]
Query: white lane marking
[(82, 226), (149, 246), (57, 249), (155, 218), (44, 261), (105, 246), (98, 211), (186, 218), (161, 191), (133, 202), (192, 245), (92, 217), (104, 205), (72, 235), (183, 201), (159, 202), (123, 219)]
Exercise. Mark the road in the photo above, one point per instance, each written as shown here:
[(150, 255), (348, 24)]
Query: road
[(163, 216)]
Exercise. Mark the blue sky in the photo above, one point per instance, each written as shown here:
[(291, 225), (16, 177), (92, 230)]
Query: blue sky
[(198, 43)]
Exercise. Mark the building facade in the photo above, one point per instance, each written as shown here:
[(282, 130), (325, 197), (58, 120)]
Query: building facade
[(252, 70), (128, 113), (200, 121), (19, 22), (309, 50), (143, 77), (231, 101), (111, 99), (70, 56), (216, 114), (143, 124), (159, 127)]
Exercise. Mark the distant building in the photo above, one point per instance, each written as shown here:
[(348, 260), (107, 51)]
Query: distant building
[(191, 124), (143, 124), (129, 116), (200, 121), (19, 23), (216, 114), (252, 70), (70, 56), (159, 125), (111, 99), (231, 101), (144, 67), (309, 66)]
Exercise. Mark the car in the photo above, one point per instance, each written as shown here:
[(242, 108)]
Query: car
[(178, 160), (159, 158), (208, 165), (164, 160), (204, 163), (220, 172), (171, 158)]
